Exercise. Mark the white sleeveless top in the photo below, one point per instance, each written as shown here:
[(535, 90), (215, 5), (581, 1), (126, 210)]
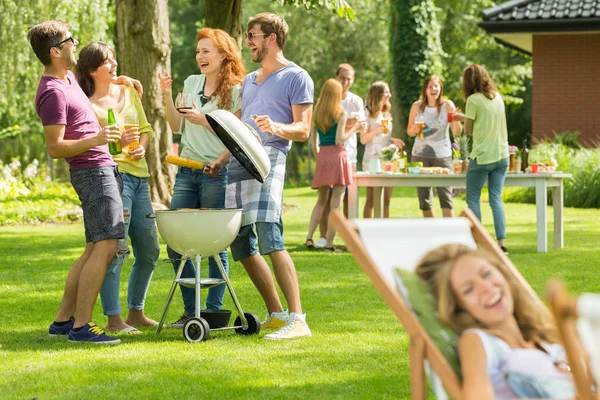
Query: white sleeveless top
[(436, 140), (503, 360), (373, 148)]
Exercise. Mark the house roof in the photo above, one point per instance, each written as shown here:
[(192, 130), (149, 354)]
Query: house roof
[(513, 23)]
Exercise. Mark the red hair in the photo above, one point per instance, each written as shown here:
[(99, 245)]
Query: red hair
[(232, 69)]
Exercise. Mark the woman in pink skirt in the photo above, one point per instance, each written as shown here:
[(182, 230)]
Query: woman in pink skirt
[(333, 168)]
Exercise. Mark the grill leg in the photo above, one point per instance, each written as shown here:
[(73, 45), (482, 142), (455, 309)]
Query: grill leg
[(231, 292), (170, 296), (198, 287)]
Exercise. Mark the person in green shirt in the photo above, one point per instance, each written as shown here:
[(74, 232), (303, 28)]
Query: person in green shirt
[(485, 119), (96, 73)]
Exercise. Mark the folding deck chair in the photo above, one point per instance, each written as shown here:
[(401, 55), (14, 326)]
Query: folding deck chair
[(381, 245), (578, 322)]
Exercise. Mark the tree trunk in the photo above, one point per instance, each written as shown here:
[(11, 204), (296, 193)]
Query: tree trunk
[(143, 49), (226, 15)]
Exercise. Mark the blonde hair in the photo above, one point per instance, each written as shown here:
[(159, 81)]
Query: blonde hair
[(232, 68), (435, 269), (329, 108), (374, 98)]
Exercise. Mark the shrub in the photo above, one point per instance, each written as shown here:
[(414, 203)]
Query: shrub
[(582, 191), (28, 196)]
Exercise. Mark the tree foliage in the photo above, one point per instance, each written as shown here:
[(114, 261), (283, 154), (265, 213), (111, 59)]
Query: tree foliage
[(380, 38), (416, 50), (21, 70), (465, 43), (341, 7)]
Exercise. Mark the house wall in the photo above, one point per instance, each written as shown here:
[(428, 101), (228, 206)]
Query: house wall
[(566, 86)]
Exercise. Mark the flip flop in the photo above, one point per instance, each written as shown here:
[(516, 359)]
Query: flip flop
[(130, 330), (333, 249), (309, 244)]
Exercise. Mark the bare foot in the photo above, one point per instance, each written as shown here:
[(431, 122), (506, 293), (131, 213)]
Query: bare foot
[(115, 324), (137, 318)]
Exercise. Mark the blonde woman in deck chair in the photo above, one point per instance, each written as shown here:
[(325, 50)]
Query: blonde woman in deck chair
[(507, 347)]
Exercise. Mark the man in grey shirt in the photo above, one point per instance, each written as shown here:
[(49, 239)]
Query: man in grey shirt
[(280, 97)]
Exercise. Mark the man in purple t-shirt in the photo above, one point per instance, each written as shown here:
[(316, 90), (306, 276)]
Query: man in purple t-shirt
[(72, 132), (277, 99)]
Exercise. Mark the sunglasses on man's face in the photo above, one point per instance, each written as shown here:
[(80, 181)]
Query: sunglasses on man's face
[(250, 35), (70, 38)]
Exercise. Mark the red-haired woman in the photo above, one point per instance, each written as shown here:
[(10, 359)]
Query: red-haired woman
[(217, 86)]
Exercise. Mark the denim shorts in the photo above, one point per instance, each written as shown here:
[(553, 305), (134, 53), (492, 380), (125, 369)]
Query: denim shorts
[(270, 239), (99, 190)]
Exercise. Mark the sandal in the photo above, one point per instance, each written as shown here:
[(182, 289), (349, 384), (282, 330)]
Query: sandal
[(309, 244), (333, 249)]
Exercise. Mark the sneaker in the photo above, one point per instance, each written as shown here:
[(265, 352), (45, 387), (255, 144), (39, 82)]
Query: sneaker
[(61, 330), (294, 329), (91, 333), (180, 322), (275, 320), (322, 242), (504, 249)]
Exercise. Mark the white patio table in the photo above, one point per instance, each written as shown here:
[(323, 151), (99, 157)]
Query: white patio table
[(540, 181)]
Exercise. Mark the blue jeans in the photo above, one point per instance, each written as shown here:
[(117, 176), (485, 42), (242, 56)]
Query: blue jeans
[(193, 189), (144, 240), (495, 174)]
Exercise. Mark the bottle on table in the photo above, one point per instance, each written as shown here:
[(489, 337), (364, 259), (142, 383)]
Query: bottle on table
[(524, 156), (114, 148), (404, 162)]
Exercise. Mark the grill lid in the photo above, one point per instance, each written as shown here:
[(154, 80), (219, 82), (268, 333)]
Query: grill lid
[(242, 141)]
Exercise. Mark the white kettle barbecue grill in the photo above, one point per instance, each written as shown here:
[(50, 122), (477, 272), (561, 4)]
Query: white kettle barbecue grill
[(178, 227)]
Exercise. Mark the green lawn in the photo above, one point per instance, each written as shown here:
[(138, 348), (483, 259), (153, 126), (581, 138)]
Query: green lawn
[(358, 349)]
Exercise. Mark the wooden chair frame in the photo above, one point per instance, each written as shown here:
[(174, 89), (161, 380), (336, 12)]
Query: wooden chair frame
[(564, 310), (421, 346)]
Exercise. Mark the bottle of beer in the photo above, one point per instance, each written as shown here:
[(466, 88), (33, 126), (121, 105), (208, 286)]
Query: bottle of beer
[(404, 157), (524, 156), (114, 148)]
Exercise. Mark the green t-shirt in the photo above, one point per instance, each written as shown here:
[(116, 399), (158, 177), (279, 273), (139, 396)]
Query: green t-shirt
[(198, 142), (490, 135)]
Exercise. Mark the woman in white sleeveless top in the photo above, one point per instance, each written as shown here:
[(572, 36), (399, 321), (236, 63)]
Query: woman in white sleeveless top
[(508, 346), (433, 147)]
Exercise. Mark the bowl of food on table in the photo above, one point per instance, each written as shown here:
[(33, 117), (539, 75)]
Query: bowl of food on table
[(415, 167)]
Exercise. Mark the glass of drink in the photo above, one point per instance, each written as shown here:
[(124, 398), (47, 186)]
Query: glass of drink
[(183, 101), (450, 116), (385, 120), (420, 124), (352, 119), (131, 121)]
